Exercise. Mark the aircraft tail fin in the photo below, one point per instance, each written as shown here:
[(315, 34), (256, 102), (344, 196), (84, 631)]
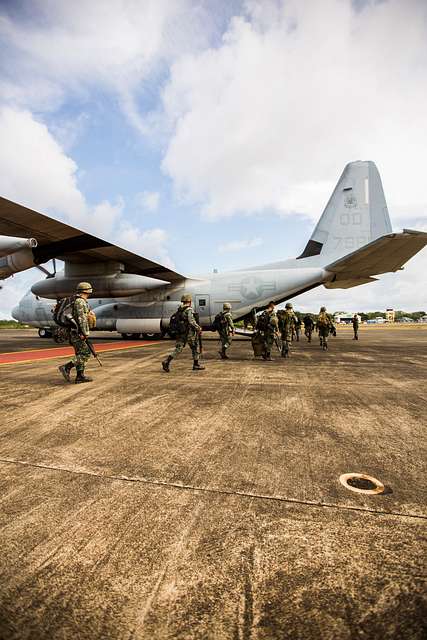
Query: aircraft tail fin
[(355, 215)]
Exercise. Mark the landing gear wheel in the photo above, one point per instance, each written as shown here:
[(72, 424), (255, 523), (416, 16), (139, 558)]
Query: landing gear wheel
[(152, 336), (131, 336), (44, 333)]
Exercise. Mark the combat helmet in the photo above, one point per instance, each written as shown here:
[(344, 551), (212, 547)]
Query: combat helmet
[(84, 287), (226, 306), (322, 308), (186, 297), (288, 305)]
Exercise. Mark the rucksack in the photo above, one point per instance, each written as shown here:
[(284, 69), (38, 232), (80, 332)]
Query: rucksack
[(177, 322), (63, 313), (219, 322), (323, 319), (263, 321)]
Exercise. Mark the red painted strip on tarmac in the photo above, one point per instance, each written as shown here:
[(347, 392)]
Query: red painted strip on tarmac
[(61, 352)]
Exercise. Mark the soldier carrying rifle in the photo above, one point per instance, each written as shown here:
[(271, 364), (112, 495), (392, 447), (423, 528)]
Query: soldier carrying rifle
[(75, 313)]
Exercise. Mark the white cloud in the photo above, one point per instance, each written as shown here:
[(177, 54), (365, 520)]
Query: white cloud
[(33, 168), (151, 243), (148, 200), (294, 92), (86, 44), (239, 245)]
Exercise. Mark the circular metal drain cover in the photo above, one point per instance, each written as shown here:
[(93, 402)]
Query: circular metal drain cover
[(361, 483)]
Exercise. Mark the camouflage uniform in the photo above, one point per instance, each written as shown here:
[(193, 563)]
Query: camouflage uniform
[(226, 332), (287, 320), (355, 323), (189, 334), (269, 332), (308, 326), (297, 327), (325, 326), (81, 315), (81, 350)]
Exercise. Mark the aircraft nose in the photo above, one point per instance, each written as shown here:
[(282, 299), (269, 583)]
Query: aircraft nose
[(16, 313)]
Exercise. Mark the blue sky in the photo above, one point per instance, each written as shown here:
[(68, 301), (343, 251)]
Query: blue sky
[(210, 134)]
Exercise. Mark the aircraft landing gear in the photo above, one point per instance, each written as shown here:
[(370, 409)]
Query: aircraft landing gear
[(44, 333)]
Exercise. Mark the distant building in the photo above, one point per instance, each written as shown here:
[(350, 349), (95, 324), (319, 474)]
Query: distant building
[(344, 318), (390, 315)]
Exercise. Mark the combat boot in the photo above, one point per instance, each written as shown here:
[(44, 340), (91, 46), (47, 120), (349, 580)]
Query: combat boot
[(197, 366), (65, 370), (268, 356), (222, 354), (82, 378), (166, 363)]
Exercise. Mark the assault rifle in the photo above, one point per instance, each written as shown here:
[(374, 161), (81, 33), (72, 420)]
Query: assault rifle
[(92, 350), (88, 342)]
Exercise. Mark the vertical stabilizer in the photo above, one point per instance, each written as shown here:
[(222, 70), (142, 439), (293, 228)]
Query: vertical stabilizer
[(355, 215)]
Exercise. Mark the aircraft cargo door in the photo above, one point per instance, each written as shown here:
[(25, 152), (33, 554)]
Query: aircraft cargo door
[(202, 307)]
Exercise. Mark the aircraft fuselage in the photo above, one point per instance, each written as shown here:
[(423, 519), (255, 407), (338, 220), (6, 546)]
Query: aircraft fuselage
[(150, 312)]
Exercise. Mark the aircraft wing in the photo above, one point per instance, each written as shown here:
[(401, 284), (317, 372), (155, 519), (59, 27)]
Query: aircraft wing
[(58, 240), (387, 253)]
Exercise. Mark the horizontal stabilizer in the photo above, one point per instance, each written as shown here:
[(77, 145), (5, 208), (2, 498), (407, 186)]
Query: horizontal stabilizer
[(342, 283), (387, 253)]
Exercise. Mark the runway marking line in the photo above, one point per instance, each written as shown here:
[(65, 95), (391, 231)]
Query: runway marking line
[(33, 355)]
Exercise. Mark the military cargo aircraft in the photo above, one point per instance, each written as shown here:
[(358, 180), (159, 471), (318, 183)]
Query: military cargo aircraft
[(351, 244)]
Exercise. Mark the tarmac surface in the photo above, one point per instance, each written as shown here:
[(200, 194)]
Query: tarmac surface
[(208, 504)]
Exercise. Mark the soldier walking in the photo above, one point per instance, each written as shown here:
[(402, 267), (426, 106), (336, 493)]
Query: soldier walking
[(308, 326), (355, 323), (225, 328), (83, 318), (188, 331), (287, 321), (268, 326), (297, 322), (324, 325)]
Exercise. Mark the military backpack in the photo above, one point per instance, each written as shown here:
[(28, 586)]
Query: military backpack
[(178, 323), (63, 313), (323, 319), (263, 322), (220, 322)]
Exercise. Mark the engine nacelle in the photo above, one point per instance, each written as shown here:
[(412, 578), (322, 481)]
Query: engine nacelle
[(15, 262), (9, 244), (120, 285)]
